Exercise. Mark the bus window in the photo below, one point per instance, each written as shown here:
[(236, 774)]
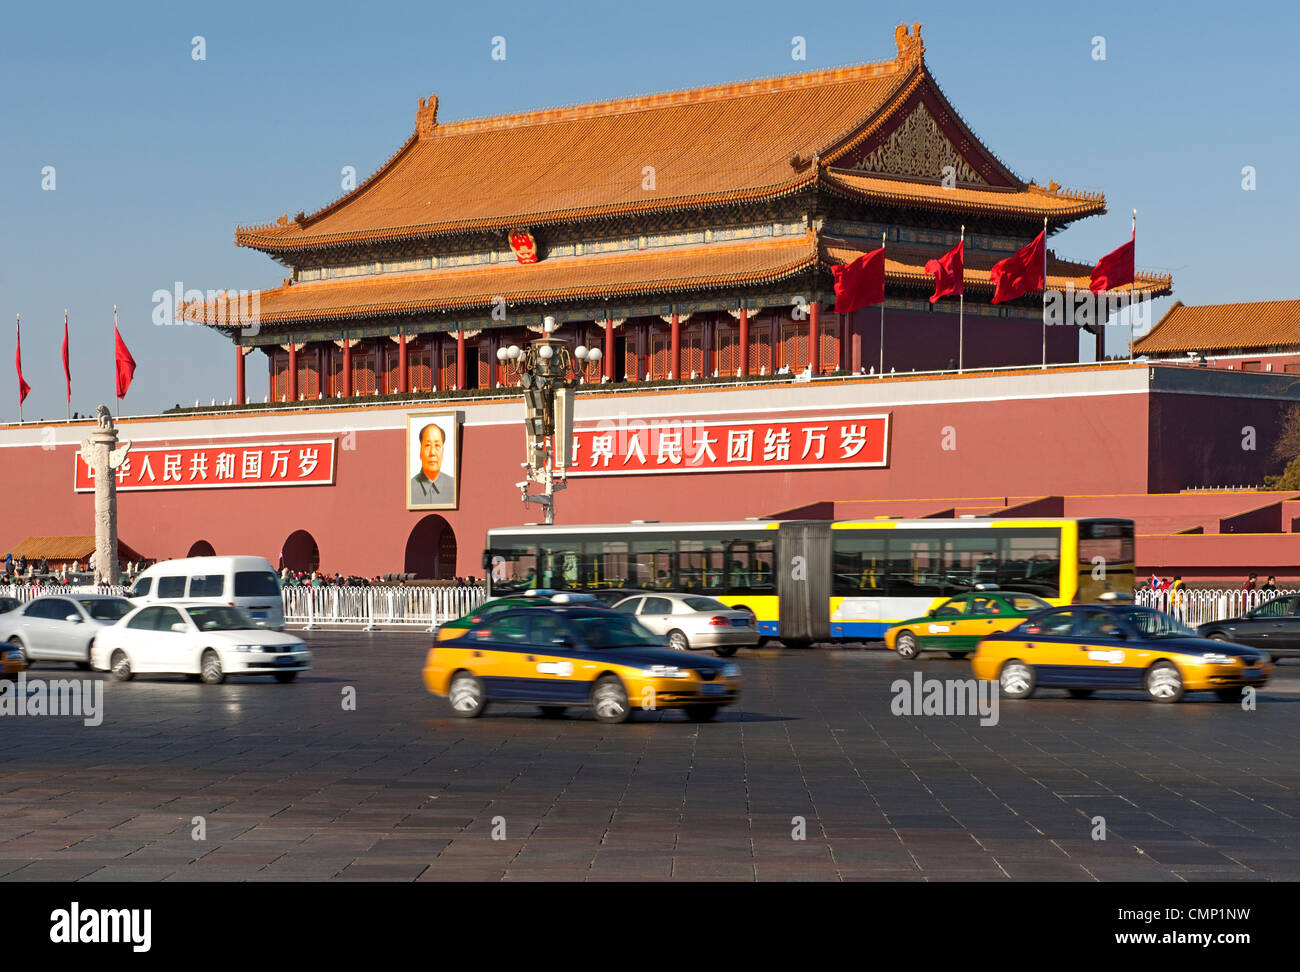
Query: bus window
[(1105, 558), (971, 561), (1031, 564), (914, 567), (857, 563)]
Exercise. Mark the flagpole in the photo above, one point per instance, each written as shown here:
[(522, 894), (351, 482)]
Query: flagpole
[(115, 395), (961, 308), (18, 330), (1045, 291), (883, 237), (1132, 286), (65, 364)]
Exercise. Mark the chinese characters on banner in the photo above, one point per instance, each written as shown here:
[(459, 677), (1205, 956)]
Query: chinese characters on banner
[(661, 445), (220, 466)]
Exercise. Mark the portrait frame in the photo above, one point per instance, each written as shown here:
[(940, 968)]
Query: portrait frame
[(415, 495)]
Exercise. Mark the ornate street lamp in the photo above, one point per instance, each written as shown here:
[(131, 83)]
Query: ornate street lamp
[(546, 375)]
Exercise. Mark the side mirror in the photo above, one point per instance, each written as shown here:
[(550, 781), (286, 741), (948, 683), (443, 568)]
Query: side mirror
[(487, 560), (74, 618), (563, 641), (180, 627), (1120, 635)]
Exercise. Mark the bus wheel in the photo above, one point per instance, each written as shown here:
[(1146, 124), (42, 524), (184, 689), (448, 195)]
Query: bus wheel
[(797, 642)]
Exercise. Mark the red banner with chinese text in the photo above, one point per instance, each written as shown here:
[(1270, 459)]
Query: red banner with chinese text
[(672, 445), (220, 466)]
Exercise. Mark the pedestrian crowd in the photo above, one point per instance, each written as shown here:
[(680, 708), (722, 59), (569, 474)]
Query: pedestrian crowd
[(318, 578)]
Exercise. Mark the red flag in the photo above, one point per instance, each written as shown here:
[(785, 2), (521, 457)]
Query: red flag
[(24, 389), (1017, 275), (125, 363), (1114, 269), (948, 272), (860, 283), (67, 371)]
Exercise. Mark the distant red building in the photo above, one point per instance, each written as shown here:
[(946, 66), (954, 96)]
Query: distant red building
[(1249, 336)]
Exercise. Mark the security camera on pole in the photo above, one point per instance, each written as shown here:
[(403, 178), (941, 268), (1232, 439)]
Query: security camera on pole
[(546, 366)]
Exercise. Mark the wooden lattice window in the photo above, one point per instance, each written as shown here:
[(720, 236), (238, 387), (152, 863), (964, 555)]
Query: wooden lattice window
[(727, 339), (447, 369), (419, 365), (829, 339), (308, 374), (693, 354), (363, 370), (760, 348), (279, 373), (794, 346)]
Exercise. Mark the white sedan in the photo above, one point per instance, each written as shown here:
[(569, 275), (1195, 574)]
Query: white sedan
[(205, 640)]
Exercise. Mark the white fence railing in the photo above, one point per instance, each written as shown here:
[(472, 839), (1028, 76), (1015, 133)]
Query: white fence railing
[(1203, 606), (371, 607), (312, 607), (26, 592)]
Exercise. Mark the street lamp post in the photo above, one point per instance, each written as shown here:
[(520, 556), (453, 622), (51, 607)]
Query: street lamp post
[(546, 369)]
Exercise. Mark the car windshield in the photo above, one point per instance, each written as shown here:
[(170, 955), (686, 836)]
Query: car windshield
[(613, 631), (1156, 624), (105, 608), (705, 604), (221, 619)]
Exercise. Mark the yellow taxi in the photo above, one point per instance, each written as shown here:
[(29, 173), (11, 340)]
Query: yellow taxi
[(561, 657), (1092, 646), (12, 660)]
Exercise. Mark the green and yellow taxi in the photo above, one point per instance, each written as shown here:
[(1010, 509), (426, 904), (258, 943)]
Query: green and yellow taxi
[(530, 598), (575, 656), (957, 625), (1100, 646)]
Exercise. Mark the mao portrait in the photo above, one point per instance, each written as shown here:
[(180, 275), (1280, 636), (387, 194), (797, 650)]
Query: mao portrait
[(432, 448)]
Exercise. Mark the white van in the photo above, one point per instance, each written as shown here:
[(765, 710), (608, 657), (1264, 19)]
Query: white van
[(243, 582)]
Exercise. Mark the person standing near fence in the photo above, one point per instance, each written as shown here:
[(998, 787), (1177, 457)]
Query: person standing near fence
[(1270, 586)]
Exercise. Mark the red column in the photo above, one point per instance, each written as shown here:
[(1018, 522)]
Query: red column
[(675, 348), (347, 368), (743, 367), (855, 342), (609, 348), (1101, 342), (403, 376), (843, 362), (293, 372), (814, 357), (460, 358), (239, 376)]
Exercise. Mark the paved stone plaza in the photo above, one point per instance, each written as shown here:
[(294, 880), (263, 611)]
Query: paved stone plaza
[(291, 786)]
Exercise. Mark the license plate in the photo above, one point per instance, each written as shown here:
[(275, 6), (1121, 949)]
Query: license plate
[(740, 622), (1250, 673), (713, 689), (284, 661), (259, 614)]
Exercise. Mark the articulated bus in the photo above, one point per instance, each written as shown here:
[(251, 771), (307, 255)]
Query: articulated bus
[(811, 581)]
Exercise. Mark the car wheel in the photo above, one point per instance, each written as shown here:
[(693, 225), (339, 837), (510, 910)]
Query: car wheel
[(1016, 680), (553, 711), (609, 700), (958, 654), (677, 641), (466, 695), (120, 666), (210, 668), (285, 677), (1164, 682), (21, 651), (907, 646), (725, 651), (1218, 636), (1232, 694), (700, 713), (1080, 693)]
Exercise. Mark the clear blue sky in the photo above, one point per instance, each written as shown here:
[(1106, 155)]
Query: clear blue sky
[(158, 157)]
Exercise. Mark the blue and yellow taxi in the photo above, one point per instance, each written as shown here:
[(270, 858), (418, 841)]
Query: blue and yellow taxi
[(530, 598), (1088, 647), (575, 656)]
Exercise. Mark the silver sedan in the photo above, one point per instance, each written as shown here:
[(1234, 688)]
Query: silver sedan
[(693, 621), (61, 627)]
